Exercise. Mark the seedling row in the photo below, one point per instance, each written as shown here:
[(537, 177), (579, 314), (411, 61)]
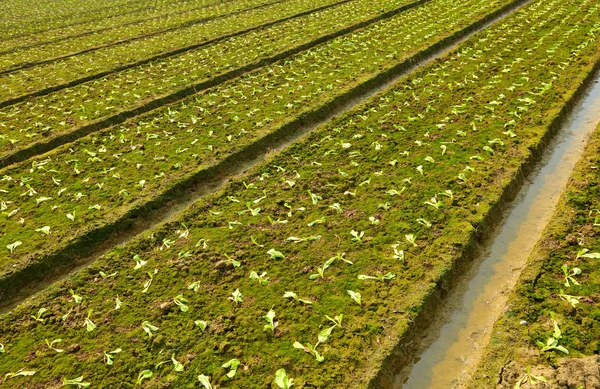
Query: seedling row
[(108, 39), (312, 266), (97, 28), (25, 24), (54, 199), (104, 61), (53, 115)]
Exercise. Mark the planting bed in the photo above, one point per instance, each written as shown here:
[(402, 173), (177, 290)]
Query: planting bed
[(56, 19), (570, 242), (109, 99), (132, 23), (97, 63), (318, 260), (110, 39), (84, 187)]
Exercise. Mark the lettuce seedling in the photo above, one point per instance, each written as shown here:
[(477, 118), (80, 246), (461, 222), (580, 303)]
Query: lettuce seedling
[(232, 261), (88, 323), (424, 222), (38, 315), (201, 324), (236, 297), (255, 242), (138, 261), (278, 221), (529, 378), (307, 239), (77, 382), (11, 247), (318, 221), (572, 300), (314, 198), (552, 342), (294, 296), (51, 345), (410, 238), (282, 380), (1, 348), (43, 230), (177, 366), (321, 270), (203, 243), (149, 328), (144, 375), (195, 286), (398, 254), (118, 303), (232, 365), (19, 373), (205, 381), (324, 335), (435, 203), (570, 277), (274, 254), (378, 277), (448, 193), (108, 356), (357, 236), (583, 253), (337, 207), (76, 298), (355, 296), (271, 324), (105, 276), (181, 302), (148, 282), (337, 320), (262, 278), (309, 349)]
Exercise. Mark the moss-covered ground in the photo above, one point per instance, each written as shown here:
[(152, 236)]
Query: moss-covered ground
[(361, 220)]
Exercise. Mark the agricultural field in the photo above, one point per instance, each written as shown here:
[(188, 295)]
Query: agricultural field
[(84, 188), (372, 143)]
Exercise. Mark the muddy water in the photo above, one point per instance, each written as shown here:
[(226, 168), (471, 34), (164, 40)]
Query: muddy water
[(173, 209), (454, 345)]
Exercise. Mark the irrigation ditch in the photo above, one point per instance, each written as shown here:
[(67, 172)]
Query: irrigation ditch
[(448, 336)]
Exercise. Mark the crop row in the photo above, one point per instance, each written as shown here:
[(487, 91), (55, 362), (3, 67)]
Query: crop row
[(43, 118), (560, 284), (98, 179), (124, 34), (98, 63), (165, 11), (318, 260), (59, 19)]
